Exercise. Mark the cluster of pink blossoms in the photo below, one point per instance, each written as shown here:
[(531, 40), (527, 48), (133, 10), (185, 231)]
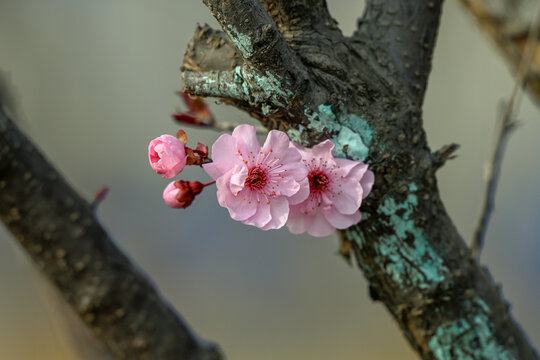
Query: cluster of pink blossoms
[(271, 186)]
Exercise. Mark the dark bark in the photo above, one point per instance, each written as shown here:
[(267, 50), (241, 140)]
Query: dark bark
[(365, 93), (60, 232), (401, 34)]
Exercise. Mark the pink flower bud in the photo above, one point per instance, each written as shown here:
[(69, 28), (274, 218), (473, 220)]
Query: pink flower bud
[(180, 194), (167, 155)]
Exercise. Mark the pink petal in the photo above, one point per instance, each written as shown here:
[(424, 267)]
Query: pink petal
[(262, 215), (223, 191), (287, 186), (167, 155), (302, 194), (352, 168), (296, 171), (341, 221), (279, 210), (367, 183), (223, 156), (246, 142), (238, 179), (298, 222), (213, 170), (278, 142), (346, 196), (320, 226), (242, 206), (170, 195), (324, 150)]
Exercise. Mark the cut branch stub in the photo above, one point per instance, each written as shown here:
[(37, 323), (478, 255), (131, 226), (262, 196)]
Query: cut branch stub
[(259, 41)]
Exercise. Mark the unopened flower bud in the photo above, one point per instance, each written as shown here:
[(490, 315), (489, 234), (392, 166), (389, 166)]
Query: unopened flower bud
[(167, 155), (180, 194)]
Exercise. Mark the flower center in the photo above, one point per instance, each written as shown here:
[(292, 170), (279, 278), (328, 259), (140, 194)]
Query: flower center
[(318, 181), (256, 179)]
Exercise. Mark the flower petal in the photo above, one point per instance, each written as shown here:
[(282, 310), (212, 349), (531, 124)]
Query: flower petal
[(323, 152), (223, 191), (276, 142), (238, 178), (223, 156), (341, 221), (262, 215), (346, 196), (298, 222), (350, 168), (279, 210), (367, 183), (246, 142), (302, 194), (242, 206), (320, 226)]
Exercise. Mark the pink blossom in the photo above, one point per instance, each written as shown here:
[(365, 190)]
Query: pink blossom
[(257, 184), (180, 194), (167, 155), (337, 187)]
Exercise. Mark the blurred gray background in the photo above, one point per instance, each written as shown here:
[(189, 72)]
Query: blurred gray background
[(95, 82)]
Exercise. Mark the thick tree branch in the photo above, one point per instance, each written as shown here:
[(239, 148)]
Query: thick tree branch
[(509, 27), (60, 232), (224, 84), (300, 19), (365, 95), (405, 32), (210, 50), (259, 41)]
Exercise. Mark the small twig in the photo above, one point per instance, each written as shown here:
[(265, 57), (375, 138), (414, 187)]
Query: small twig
[(494, 169), (507, 125), (441, 156), (99, 196)]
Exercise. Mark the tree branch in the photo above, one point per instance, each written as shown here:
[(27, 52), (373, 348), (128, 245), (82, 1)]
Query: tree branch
[(365, 95), (405, 32), (509, 28), (210, 50), (507, 125), (297, 19), (60, 232), (259, 41)]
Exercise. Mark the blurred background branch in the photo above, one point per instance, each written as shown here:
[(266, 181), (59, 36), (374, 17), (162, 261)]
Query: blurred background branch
[(509, 24), (61, 233), (508, 123)]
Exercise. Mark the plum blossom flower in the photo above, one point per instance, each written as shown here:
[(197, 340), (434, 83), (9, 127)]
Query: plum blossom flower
[(167, 155), (257, 184), (180, 194), (336, 189)]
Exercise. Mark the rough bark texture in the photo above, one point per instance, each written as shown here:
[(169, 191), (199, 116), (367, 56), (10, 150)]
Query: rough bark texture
[(59, 231), (299, 74)]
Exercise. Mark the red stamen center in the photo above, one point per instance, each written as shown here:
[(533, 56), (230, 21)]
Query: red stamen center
[(256, 179), (318, 181)]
